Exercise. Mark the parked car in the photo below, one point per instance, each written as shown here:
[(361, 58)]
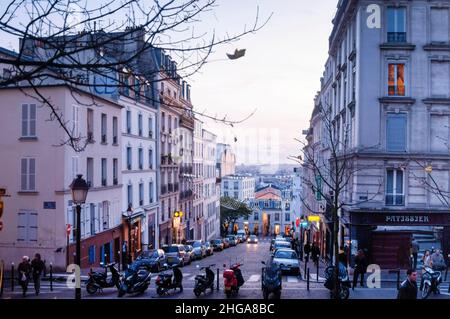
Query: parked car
[(287, 260), (217, 244), (155, 257), (252, 239), (199, 248), (232, 239), (190, 252), (242, 235), (280, 244), (226, 243), (209, 249), (176, 255)]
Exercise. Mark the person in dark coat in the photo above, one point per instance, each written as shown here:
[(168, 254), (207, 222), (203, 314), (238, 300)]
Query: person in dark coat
[(360, 268), (315, 253), (408, 288), (37, 266), (24, 270), (307, 250)]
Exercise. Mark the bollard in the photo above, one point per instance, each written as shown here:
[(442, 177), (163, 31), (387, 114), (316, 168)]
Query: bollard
[(306, 263), (217, 279), (12, 276), (307, 280), (317, 271), (51, 276), (2, 272), (398, 279)]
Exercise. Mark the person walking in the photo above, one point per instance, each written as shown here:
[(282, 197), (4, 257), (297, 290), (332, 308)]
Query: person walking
[(437, 260), (37, 266), (307, 250), (24, 270), (315, 253), (408, 288), (360, 268), (414, 251)]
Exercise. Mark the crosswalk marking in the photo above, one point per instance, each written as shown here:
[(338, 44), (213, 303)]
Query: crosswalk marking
[(254, 278)]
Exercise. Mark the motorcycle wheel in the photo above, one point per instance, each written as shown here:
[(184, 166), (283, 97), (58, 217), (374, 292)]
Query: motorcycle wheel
[(278, 294), (344, 293), (197, 292), (122, 292), (265, 294), (426, 291), (91, 288), (181, 288), (160, 291)]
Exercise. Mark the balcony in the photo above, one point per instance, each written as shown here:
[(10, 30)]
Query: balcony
[(186, 169), (166, 160), (163, 189), (186, 194), (171, 188)]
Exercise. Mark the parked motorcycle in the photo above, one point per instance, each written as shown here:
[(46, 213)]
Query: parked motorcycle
[(233, 279), (167, 281), (204, 282), (271, 280), (344, 283), (99, 280), (136, 279), (430, 282)]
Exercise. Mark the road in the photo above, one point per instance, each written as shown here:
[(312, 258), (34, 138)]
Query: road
[(250, 256)]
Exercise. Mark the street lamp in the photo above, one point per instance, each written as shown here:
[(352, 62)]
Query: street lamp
[(79, 189)]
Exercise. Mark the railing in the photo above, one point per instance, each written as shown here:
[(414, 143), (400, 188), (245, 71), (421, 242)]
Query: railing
[(171, 188), (163, 189), (396, 37)]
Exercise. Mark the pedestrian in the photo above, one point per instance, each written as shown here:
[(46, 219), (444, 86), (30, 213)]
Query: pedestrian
[(315, 253), (37, 266), (360, 268), (307, 250), (408, 288), (414, 251), (24, 270), (437, 260)]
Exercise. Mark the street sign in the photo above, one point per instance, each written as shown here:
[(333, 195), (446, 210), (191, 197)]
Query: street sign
[(314, 218), (1, 225)]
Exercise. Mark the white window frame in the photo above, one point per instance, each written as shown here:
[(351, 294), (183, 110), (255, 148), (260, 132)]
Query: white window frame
[(27, 122), (28, 174), (394, 187)]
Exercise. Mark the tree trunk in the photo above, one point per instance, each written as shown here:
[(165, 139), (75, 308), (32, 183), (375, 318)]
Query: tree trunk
[(336, 250)]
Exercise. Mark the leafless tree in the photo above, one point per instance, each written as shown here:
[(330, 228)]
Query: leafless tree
[(329, 170), (90, 44)]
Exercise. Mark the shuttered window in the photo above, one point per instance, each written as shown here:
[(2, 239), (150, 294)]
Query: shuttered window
[(28, 174), (439, 24), (27, 226), (396, 133), (28, 120)]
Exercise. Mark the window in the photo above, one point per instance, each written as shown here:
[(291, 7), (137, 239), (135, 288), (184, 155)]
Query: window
[(150, 127), (396, 25), (28, 174), (75, 118), (115, 170), (129, 122), (27, 226), (287, 217), (90, 171), (140, 124), (266, 204), (236, 195), (225, 194), (256, 216), (115, 132), (396, 133), (394, 188), (129, 158), (150, 192), (103, 128), (75, 169), (130, 195), (439, 25), (396, 79), (236, 185), (277, 217), (141, 158), (90, 125), (103, 171), (141, 194), (91, 254), (150, 158)]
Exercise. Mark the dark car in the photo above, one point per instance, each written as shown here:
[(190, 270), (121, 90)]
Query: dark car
[(226, 243), (217, 244), (156, 258), (233, 240)]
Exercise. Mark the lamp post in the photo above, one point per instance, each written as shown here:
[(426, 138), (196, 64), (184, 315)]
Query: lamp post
[(79, 189)]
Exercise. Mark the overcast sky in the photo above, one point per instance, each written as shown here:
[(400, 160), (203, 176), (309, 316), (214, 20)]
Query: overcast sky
[(279, 75)]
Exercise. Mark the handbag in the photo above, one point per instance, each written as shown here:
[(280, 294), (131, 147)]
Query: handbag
[(24, 277)]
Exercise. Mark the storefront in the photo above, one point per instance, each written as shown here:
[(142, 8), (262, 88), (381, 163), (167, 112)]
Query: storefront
[(389, 246), (151, 224), (165, 236), (132, 222)]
